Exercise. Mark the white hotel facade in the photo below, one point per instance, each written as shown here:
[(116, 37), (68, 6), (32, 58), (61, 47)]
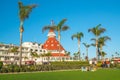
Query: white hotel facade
[(51, 44)]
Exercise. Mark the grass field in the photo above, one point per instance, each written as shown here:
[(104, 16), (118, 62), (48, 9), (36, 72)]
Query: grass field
[(102, 74)]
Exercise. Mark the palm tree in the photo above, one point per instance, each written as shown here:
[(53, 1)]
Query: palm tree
[(87, 46), (67, 53), (94, 45), (103, 54), (24, 12), (112, 56), (60, 27), (101, 42), (75, 55), (79, 35), (97, 32), (117, 54)]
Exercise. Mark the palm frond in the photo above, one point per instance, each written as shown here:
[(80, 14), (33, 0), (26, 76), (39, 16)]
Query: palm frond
[(79, 35), (103, 39), (24, 11), (64, 28), (61, 23), (73, 36), (93, 44), (86, 45), (97, 30), (48, 28), (93, 39), (45, 28)]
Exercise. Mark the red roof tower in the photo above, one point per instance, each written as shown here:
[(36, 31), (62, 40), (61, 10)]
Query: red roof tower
[(52, 45)]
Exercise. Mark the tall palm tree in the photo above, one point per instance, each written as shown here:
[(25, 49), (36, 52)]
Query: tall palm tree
[(24, 12), (87, 46), (79, 35), (101, 42), (60, 27), (97, 32)]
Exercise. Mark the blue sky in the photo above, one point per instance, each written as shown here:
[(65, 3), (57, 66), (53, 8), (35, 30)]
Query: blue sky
[(81, 15)]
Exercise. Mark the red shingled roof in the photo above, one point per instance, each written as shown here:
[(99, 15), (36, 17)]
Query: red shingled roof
[(52, 44)]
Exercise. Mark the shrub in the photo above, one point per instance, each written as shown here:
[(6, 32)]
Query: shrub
[(1, 64)]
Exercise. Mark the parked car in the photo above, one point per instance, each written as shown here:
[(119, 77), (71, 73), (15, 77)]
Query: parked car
[(29, 62)]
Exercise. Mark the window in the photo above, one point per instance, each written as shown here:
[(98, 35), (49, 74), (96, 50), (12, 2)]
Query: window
[(40, 50)]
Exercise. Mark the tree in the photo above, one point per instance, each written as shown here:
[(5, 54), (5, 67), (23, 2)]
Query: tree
[(76, 55), (67, 53), (14, 49), (97, 31), (87, 46), (60, 27), (34, 54), (79, 35), (103, 54), (101, 42), (117, 54), (24, 12)]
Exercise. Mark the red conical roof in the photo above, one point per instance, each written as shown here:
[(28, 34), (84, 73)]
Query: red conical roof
[(51, 43)]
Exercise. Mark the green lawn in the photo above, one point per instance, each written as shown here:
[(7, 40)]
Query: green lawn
[(105, 74)]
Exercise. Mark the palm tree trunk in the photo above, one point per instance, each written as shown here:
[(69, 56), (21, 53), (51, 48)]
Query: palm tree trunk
[(79, 48), (59, 44), (96, 47), (101, 51), (21, 31), (20, 49), (87, 52)]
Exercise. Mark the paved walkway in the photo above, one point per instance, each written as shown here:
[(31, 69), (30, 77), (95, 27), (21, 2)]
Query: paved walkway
[(42, 71)]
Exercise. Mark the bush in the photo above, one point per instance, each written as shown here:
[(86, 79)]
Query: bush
[(1, 64), (45, 67), (69, 65), (4, 70)]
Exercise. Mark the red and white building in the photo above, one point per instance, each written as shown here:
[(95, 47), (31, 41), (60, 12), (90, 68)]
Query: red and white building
[(53, 46)]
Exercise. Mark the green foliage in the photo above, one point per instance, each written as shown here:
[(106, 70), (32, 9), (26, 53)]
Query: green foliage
[(1, 64), (118, 66), (45, 67), (69, 65), (79, 35)]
